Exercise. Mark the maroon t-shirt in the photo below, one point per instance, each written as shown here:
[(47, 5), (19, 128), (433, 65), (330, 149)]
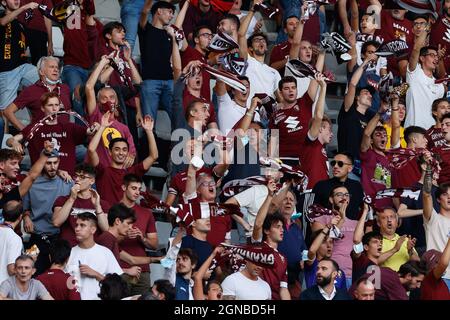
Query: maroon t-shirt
[(406, 176), (146, 223), (277, 274), (108, 240), (64, 136), (444, 152), (220, 226), (59, 285), (80, 205), (439, 36), (79, 42), (292, 124), (392, 29), (279, 52), (37, 21), (313, 159), (191, 54), (109, 181), (30, 98), (195, 17), (391, 287), (435, 137), (178, 182), (187, 98), (375, 175), (433, 289)]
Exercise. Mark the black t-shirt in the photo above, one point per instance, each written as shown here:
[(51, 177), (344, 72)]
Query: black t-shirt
[(12, 45), (156, 50), (12, 195), (323, 188), (351, 125), (414, 225)]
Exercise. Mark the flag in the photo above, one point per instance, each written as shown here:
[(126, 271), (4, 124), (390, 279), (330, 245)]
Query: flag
[(222, 42), (227, 77), (234, 64), (396, 47), (416, 6)]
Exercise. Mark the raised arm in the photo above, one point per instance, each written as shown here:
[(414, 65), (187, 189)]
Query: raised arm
[(93, 158), (313, 132), (179, 22), (395, 122), (147, 125), (297, 39), (365, 142), (359, 229), (342, 11), (14, 14), (242, 39), (36, 169), (426, 194), (144, 14), (351, 91), (263, 211), (419, 43), (354, 15), (442, 265), (91, 100), (200, 274)]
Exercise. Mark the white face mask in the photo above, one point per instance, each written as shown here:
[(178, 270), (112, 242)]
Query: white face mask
[(52, 82)]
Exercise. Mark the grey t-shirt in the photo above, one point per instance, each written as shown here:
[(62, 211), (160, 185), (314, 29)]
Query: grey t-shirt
[(35, 290)]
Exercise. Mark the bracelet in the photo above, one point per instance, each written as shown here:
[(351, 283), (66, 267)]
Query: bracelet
[(325, 233), (250, 114), (395, 109)]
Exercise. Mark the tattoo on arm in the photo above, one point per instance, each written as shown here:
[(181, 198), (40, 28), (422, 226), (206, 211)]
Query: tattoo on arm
[(428, 181)]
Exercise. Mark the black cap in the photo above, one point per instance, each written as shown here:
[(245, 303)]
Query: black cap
[(162, 5)]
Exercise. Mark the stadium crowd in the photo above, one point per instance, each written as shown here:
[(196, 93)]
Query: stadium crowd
[(251, 151)]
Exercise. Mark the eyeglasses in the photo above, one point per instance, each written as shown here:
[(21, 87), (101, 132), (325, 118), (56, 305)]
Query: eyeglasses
[(432, 54), (206, 34), (342, 195), (81, 176), (420, 24), (208, 184), (339, 163)]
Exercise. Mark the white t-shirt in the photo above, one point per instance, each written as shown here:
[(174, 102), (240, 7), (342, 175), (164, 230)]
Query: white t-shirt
[(252, 199), (243, 288), (263, 79), (419, 98), (437, 230), (10, 248), (230, 113), (99, 258)]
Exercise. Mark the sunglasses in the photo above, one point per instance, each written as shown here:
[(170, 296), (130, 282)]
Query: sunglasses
[(339, 163)]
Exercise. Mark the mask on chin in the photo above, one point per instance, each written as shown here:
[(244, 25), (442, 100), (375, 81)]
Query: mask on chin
[(108, 106), (52, 82)]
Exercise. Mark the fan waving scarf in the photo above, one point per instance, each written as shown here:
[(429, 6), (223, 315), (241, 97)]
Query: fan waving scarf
[(416, 6)]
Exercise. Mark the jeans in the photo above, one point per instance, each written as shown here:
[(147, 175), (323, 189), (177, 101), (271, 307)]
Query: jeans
[(130, 12), (2, 130), (10, 81), (74, 76), (155, 93)]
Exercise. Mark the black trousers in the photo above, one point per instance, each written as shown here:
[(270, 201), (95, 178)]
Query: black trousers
[(43, 243)]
